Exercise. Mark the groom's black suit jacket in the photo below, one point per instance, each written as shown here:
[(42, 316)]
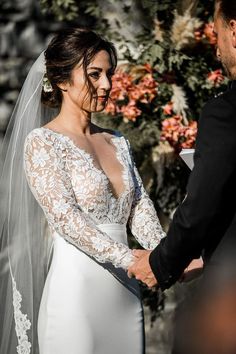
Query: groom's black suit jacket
[(205, 222)]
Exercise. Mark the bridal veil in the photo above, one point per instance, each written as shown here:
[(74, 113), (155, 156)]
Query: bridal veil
[(24, 243)]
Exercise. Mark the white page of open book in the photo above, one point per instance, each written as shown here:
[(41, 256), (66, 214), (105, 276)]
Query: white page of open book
[(187, 156)]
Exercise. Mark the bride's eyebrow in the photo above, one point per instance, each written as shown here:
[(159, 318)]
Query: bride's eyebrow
[(99, 69), (95, 68)]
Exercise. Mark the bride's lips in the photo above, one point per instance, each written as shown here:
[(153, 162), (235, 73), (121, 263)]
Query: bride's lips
[(101, 98)]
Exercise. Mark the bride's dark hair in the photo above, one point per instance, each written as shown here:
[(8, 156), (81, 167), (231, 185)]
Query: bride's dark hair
[(68, 48)]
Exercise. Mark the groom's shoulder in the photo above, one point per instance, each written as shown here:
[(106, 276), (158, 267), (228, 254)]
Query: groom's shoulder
[(225, 102)]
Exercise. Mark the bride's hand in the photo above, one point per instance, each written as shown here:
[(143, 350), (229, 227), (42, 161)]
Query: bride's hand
[(141, 269), (194, 269)]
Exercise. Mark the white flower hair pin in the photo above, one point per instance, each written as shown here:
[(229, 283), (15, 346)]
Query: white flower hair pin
[(47, 86)]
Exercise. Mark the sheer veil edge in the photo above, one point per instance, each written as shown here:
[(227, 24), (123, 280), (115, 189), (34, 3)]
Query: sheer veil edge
[(24, 242)]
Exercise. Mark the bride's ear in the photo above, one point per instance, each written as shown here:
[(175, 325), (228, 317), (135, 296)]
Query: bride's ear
[(62, 87), (232, 25)]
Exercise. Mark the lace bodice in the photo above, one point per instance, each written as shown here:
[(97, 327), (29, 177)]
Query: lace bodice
[(76, 196)]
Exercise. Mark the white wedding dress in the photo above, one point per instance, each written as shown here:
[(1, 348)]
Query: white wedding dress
[(89, 305)]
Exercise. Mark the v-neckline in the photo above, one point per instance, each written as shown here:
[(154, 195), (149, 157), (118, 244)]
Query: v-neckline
[(90, 158)]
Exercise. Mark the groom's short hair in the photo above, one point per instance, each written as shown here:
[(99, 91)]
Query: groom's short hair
[(227, 9)]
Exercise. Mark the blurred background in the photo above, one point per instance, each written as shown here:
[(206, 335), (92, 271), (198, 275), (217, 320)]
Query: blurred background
[(167, 71)]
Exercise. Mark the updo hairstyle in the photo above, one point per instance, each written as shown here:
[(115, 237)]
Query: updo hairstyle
[(68, 48)]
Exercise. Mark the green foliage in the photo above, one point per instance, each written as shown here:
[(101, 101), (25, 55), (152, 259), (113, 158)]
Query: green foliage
[(61, 9), (177, 60), (153, 54)]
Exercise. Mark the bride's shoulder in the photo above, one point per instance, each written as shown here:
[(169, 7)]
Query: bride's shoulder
[(38, 136)]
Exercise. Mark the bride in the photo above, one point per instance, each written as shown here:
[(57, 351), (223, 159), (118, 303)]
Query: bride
[(64, 280)]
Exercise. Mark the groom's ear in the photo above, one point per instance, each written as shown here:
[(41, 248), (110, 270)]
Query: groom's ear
[(232, 26)]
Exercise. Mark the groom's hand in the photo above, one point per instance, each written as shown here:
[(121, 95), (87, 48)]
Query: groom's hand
[(194, 270), (141, 268)]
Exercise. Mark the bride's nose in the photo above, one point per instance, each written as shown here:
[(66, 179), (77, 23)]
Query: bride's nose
[(105, 83)]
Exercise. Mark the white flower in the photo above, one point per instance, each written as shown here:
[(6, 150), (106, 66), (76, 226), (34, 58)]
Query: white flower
[(47, 87), (40, 157)]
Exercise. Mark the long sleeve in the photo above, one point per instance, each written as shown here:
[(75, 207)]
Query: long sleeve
[(143, 221), (51, 185), (209, 207)]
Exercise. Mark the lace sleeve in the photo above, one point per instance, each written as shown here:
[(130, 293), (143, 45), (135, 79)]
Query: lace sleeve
[(143, 221), (51, 186)]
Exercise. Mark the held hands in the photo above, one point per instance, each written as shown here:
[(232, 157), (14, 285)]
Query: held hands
[(141, 269)]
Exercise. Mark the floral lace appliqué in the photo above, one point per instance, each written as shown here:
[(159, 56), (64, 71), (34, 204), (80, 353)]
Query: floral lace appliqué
[(22, 323)]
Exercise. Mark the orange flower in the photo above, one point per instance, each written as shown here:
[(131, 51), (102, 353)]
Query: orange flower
[(112, 108), (215, 77), (148, 67), (136, 93), (121, 83), (177, 134), (168, 109), (190, 135), (125, 88), (198, 35), (130, 112), (208, 31), (145, 90)]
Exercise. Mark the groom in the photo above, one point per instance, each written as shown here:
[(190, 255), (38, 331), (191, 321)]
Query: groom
[(205, 223)]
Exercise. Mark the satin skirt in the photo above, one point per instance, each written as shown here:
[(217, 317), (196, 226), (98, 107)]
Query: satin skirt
[(88, 307)]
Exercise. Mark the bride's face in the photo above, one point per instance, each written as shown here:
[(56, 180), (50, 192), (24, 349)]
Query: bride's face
[(93, 98)]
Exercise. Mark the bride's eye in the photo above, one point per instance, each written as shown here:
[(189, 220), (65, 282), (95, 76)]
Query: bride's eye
[(94, 74)]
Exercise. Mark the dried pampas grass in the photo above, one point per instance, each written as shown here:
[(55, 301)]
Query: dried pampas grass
[(179, 102), (183, 28)]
